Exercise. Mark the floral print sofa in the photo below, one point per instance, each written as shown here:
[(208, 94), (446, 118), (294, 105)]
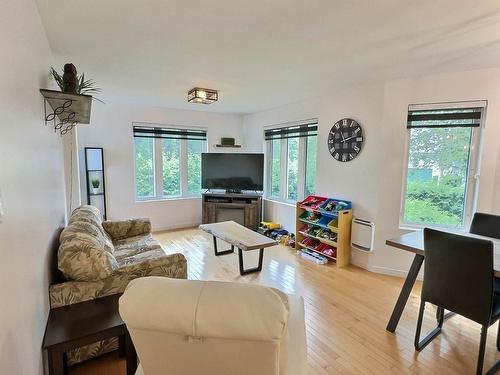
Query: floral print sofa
[(99, 258)]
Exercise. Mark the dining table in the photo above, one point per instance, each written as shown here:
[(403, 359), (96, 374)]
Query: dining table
[(413, 242)]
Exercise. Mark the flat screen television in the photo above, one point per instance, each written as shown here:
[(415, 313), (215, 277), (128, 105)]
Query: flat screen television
[(232, 172)]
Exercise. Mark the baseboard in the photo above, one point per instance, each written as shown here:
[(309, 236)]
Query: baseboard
[(176, 226), (358, 262), (361, 262), (392, 271)]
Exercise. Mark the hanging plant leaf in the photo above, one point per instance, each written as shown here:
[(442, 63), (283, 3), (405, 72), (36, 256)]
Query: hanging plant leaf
[(85, 87)]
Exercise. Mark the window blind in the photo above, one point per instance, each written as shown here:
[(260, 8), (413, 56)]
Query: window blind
[(169, 133), (295, 131), (445, 118)]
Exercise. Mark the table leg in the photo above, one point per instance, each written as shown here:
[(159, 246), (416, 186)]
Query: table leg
[(131, 355), (448, 315), (494, 369), (405, 292), (250, 270), (56, 362), (121, 346), (65, 363), (224, 252)]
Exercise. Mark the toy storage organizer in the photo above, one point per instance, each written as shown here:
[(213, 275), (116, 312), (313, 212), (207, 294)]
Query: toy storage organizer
[(323, 227)]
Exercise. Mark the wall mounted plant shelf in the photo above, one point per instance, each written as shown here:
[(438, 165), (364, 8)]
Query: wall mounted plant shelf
[(65, 110), (227, 146)]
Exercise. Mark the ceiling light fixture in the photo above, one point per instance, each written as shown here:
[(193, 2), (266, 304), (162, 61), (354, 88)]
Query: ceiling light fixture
[(204, 96)]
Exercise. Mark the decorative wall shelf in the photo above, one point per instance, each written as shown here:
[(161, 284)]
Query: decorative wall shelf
[(66, 109), (227, 146)]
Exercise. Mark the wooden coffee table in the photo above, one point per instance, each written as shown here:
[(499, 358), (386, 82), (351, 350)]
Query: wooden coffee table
[(243, 238), (79, 324)]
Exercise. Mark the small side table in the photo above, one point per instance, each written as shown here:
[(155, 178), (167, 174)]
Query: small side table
[(73, 326)]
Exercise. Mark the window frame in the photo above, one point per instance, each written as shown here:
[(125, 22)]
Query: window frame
[(158, 165), (473, 166), (302, 164)]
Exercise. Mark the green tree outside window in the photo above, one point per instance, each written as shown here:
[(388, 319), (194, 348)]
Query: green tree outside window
[(171, 167), (292, 168), (275, 167), (144, 167), (437, 176), (194, 150)]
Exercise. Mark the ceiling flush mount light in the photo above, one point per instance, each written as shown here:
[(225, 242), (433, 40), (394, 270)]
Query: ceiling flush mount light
[(204, 96)]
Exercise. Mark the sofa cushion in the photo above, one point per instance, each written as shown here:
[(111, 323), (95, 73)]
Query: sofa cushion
[(135, 245), (92, 230), (81, 256), (91, 215), (141, 257), (86, 213), (127, 228), (85, 251)]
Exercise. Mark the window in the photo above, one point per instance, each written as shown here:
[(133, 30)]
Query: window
[(168, 161), (443, 148), (275, 157), (291, 160)]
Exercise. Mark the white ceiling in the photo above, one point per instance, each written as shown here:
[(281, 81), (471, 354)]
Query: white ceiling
[(265, 53)]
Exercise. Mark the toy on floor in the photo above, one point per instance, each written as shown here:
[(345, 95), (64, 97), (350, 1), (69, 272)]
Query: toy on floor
[(270, 225), (267, 227), (277, 234), (288, 240)]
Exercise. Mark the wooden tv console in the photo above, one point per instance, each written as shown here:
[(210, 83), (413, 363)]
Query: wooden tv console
[(245, 209)]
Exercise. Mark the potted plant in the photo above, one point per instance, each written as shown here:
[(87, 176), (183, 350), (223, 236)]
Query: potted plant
[(72, 82), (95, 185)]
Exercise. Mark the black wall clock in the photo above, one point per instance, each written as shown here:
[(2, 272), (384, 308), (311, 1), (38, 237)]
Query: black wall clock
[(345, 140)]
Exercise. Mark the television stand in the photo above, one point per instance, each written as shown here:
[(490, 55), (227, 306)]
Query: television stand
[(243, 208)]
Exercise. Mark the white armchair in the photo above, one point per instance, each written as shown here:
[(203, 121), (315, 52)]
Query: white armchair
[(187, 327)]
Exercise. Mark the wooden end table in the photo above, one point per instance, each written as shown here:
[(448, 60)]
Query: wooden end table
[(70, 327)]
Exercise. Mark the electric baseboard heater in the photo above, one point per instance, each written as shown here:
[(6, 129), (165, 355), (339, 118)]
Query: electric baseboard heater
[(362, 235)]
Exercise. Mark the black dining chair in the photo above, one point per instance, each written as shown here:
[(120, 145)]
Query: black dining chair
[(487, 225), (458, 276)]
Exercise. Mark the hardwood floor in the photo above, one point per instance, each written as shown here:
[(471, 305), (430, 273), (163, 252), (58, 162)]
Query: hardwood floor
[(346, 313)]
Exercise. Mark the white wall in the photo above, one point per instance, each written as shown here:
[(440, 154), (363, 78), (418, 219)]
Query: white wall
[(32, 187), (351, 181), (111, 128), (373, 181)]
